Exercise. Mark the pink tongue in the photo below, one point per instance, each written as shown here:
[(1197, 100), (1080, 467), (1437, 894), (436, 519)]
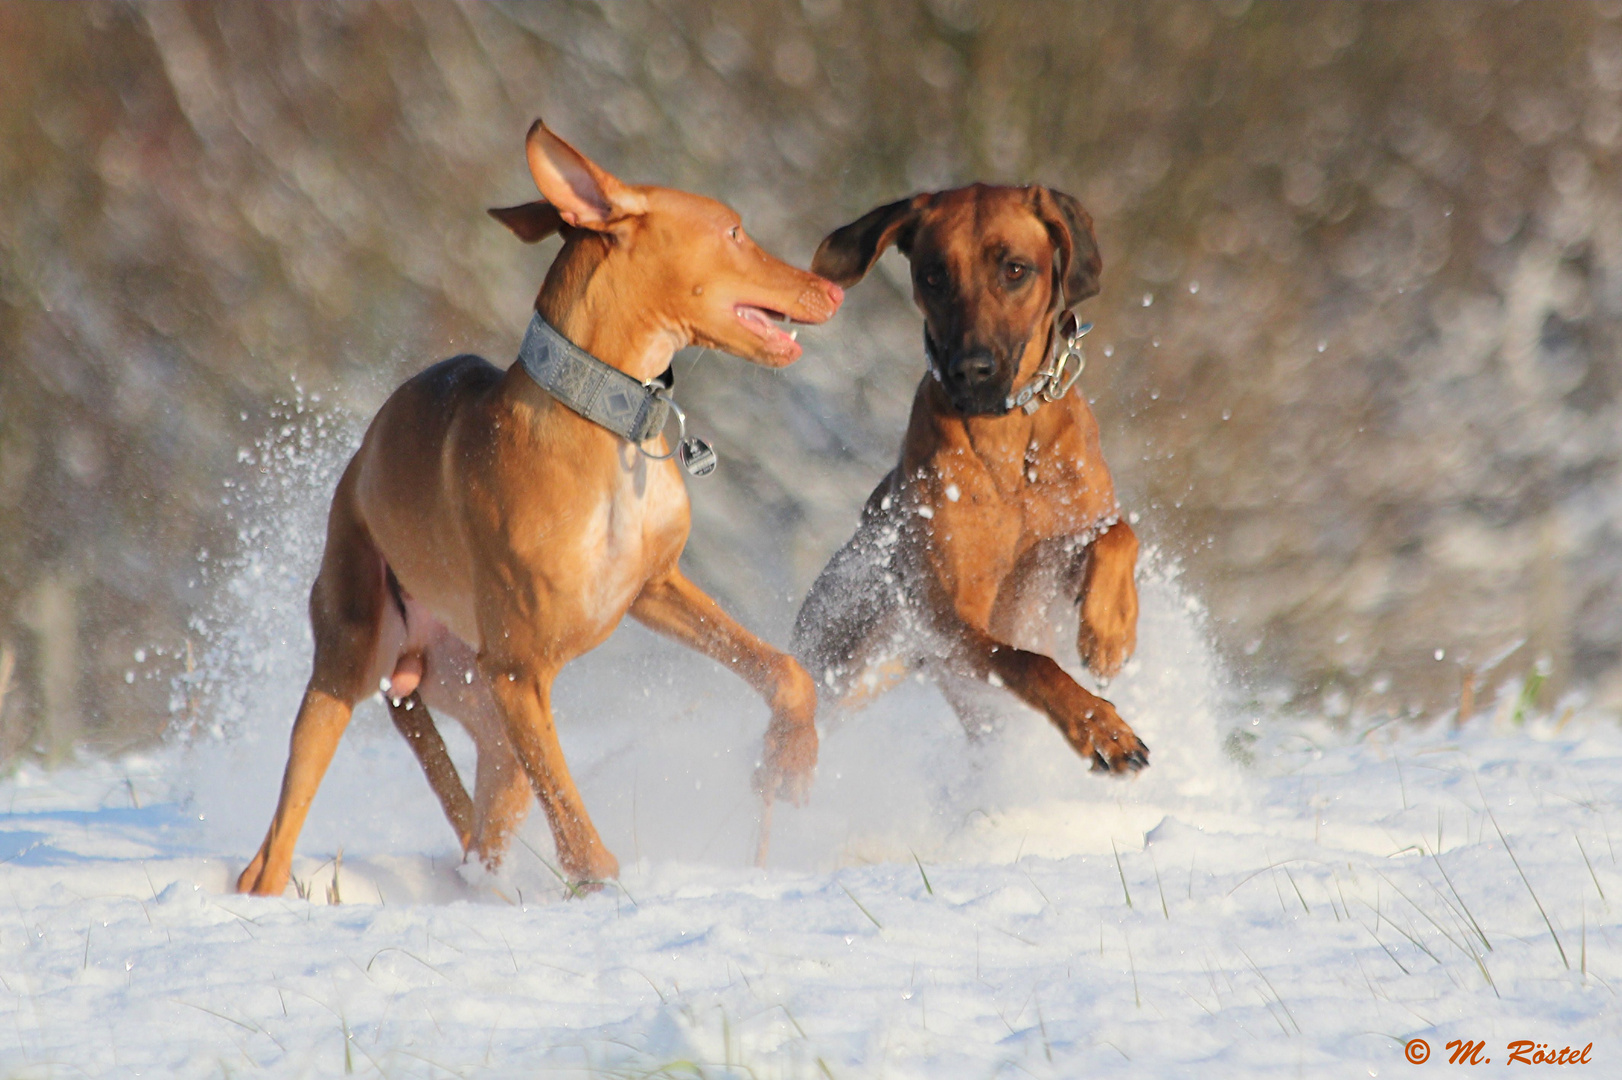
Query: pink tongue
[(777, 340)]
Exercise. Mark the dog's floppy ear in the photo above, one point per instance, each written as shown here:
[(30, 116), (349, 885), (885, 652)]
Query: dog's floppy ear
[(531, 222), (846, 255), (586, 195), (1072, 230)]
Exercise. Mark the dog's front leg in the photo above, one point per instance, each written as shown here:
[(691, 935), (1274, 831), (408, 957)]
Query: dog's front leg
[(522, 687), (1088, 722), (1109, 602), (677, 608)]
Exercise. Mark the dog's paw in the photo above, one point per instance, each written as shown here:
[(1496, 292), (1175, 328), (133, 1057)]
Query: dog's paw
[(259, 879), (480, 876), (790, 762), (1120, 752), (1105, 651), (249, 876), (1104, 739), (585, 871)]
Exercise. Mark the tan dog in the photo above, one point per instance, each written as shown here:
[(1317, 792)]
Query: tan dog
[(485, 534), (1001, 504)]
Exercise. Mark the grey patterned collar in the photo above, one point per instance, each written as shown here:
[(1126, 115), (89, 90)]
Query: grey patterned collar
[(602, 394)]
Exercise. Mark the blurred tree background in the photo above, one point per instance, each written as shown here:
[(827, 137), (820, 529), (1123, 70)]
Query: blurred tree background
[(1357, 351)]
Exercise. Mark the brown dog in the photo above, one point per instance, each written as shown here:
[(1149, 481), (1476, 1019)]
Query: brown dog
[(485, 533), (1001, 503)]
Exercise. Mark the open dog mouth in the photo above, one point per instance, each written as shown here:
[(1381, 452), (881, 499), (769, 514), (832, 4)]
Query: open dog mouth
[(767, 324)]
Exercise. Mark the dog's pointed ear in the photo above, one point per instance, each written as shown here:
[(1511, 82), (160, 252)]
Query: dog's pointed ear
[(846, 255), (1072, 230), (531, 222), (586, 195)]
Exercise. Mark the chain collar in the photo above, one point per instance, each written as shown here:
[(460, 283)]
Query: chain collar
[(1065, 365)]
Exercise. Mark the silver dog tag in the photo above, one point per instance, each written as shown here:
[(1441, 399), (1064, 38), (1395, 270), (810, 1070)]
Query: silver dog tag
[(696, 456)]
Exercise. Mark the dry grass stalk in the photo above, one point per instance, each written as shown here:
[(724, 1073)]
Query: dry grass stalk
[(1467, 699), (8, 665)]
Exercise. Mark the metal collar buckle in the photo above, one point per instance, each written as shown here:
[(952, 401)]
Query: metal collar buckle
[(692, 453)]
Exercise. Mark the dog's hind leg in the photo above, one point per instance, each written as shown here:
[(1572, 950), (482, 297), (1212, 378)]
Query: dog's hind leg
[(979, 706), (849, 631), (412, 720), (501, 801), (346, 607), (1109, 602)]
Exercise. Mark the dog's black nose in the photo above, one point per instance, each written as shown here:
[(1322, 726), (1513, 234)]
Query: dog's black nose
[(972, 368)]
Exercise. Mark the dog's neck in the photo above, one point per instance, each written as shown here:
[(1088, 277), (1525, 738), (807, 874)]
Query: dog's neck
[(1014, 450), (584, 302), (993, 438)]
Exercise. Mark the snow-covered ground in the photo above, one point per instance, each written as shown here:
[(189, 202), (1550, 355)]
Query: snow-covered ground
[(1270, 897), (940, 909)]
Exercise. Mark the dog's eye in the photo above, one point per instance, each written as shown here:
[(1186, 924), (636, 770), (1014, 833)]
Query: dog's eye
[(736, 232), (1014, 272), (934, 279)]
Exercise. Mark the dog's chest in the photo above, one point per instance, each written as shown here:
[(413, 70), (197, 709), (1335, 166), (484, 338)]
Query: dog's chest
[(1053, 490), (1061, 495), (634, 532)]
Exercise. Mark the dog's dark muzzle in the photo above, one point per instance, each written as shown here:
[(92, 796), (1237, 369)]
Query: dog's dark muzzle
[(974, 381)]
